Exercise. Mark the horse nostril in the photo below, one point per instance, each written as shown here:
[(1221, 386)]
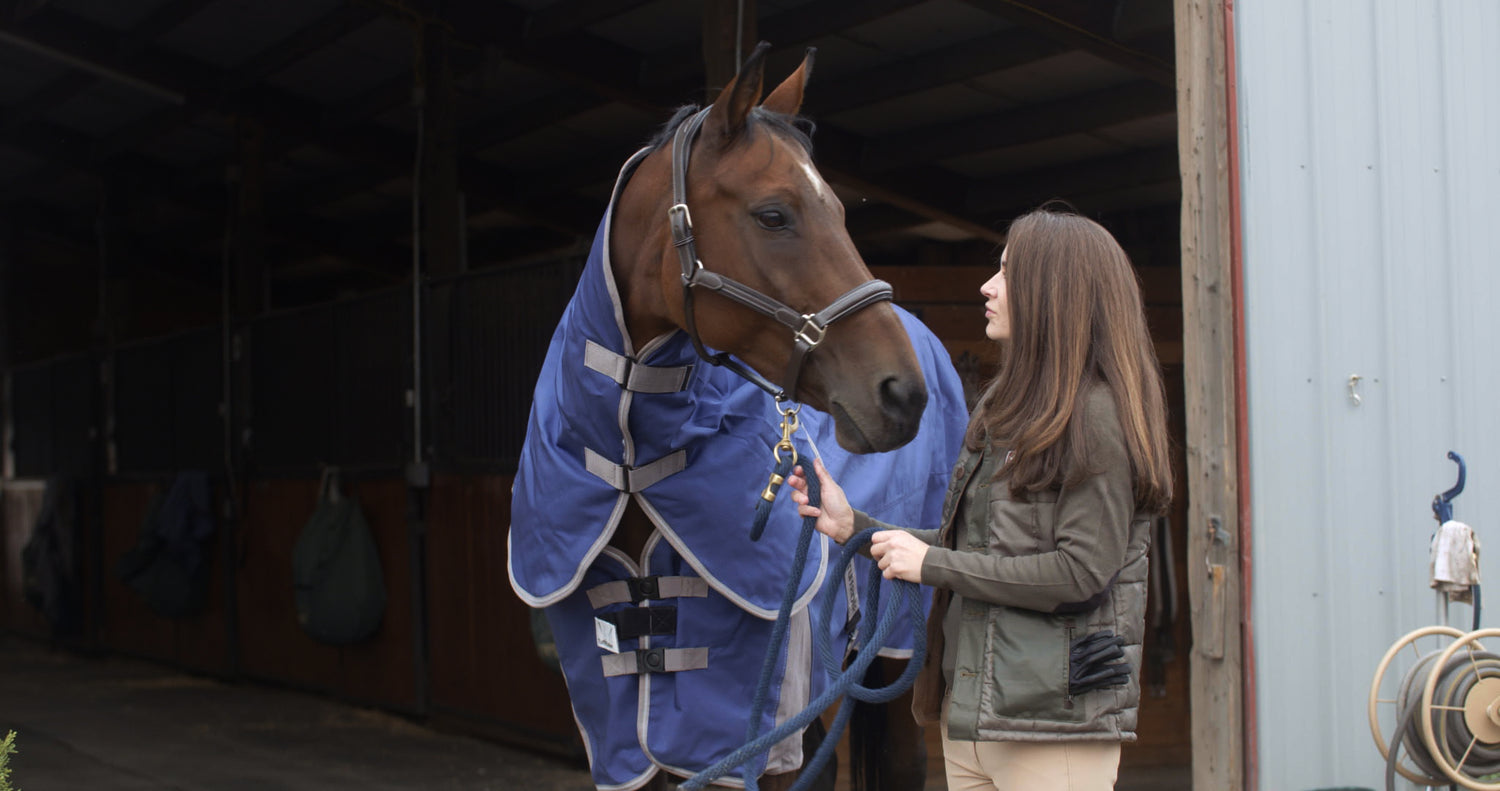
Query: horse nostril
[(903, 397)]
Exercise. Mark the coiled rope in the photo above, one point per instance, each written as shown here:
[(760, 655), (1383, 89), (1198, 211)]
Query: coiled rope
[(875, 621)]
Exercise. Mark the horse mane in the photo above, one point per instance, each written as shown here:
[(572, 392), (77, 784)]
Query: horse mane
[(796, 127)]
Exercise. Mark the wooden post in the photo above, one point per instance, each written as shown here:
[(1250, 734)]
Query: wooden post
[(9, 249), (443, 223), (114, 254), (721, 18), (1215, 571), (246, 226), (245, 295)]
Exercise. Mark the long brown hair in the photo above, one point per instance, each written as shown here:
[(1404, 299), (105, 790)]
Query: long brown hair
[(1077, 323)]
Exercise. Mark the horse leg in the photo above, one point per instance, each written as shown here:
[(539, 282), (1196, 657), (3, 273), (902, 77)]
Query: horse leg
[(903, 766), (887, 748)]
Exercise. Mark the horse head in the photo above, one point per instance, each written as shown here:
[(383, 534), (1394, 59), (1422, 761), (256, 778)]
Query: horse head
[(761, 217)]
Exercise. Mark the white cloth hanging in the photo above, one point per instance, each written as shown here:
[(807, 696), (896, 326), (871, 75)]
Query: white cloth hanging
[(1454, 561)]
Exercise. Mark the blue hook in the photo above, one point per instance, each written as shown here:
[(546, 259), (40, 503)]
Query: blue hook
[(1442, 505)]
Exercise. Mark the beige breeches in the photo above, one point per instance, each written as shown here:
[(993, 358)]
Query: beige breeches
[(1030, 766)]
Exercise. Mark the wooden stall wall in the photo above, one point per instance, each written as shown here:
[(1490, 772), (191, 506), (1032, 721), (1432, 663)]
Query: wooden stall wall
[(21, 501), (272, 645), (486, 674), (198, 642)]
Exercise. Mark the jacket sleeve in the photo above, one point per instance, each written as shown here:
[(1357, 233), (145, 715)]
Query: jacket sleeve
[(1092, 531), (863, 521)]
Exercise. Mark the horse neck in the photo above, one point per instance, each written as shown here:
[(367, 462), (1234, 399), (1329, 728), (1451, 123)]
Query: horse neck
[(640, 248)]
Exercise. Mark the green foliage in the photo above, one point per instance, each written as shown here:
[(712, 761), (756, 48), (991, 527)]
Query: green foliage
[(7, 749)]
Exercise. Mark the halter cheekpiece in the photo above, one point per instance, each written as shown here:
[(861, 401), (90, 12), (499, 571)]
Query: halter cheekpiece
[(808, 329)]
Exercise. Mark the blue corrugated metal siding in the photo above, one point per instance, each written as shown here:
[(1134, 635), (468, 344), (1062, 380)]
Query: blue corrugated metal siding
[(1370, 165)]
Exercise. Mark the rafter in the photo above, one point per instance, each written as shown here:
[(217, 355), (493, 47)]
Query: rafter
[(66, 87), (570, 15), (679, 69), (1027, 124), (945, 66), (1084, 25), (1101, 174), (320, 33), (880, 219), (929, 192)]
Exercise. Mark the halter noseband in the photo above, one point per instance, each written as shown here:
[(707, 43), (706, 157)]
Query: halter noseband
[(807, 329)]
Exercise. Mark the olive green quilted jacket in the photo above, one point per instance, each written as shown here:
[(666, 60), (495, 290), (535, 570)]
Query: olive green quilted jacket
[(1026, 577)]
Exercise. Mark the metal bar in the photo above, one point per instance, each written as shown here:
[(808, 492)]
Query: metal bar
[(84, 64)]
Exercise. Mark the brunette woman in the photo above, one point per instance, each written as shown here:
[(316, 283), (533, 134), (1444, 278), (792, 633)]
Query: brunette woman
[(1040, 560)]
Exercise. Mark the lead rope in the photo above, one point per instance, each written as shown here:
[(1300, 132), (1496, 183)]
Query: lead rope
[(784, 464), (875, 621)]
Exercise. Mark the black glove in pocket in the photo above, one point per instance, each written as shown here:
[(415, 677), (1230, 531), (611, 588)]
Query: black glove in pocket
[(1094, 663)]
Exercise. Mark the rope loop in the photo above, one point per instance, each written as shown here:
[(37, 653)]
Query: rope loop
[(875, 626)]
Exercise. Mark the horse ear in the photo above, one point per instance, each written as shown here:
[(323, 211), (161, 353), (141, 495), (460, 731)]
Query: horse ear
[(740, 95), (787, 98)]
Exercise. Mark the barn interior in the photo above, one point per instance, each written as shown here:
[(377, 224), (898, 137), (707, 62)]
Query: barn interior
[(265, 238)]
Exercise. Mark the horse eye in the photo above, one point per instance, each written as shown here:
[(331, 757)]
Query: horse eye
[(771, 220)]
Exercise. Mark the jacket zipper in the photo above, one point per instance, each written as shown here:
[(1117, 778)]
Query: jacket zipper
[(1068, 663)]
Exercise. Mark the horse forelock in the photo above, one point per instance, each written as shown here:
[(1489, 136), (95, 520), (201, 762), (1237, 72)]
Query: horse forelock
[(796, 127)]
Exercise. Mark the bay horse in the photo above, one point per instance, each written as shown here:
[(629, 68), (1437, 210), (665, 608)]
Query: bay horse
[(638, 476)]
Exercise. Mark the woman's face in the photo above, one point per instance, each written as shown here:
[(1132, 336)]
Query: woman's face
[(996, 305)]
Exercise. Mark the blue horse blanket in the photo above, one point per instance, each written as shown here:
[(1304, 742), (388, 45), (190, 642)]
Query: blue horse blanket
[(691, 443)]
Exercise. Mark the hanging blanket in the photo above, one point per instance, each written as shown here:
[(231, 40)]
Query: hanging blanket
[(661, 653)]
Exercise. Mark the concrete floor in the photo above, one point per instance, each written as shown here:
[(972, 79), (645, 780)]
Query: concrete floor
[(112, 724), (115, 724)]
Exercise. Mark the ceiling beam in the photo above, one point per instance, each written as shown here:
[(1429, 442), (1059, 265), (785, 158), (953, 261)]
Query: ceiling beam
[(512, 122), (567, 16), (582, 60), (203, 203), (19, 10), (945, 66), (320, 33), (678, 71), (1085, 25), (1027, 124), (199, 84), (1029, 188), (59, 148), (61, 90), (880, 219), (930, 192)]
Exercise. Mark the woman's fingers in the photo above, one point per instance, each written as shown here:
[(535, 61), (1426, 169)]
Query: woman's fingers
[(824, 478), (898, 555)]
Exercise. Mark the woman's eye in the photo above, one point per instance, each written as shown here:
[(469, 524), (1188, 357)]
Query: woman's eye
[(771, 220)]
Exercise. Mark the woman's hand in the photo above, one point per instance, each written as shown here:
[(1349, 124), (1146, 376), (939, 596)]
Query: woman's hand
[(900, 555), (835, 518)]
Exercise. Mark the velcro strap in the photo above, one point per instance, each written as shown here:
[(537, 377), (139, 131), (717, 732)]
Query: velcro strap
[(654, 660), (637, 589), (634, 479), (634, 376), (638, 621)]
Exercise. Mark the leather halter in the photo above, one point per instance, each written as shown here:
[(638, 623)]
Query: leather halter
[(807, 329)]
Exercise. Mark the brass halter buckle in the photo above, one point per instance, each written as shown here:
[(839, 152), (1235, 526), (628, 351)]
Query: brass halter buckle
[(789, 424)]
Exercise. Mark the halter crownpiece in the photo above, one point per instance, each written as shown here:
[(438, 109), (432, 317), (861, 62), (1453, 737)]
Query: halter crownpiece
[(808, 329)]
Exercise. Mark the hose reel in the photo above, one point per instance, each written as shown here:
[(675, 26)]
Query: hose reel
[(1445, 709)]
